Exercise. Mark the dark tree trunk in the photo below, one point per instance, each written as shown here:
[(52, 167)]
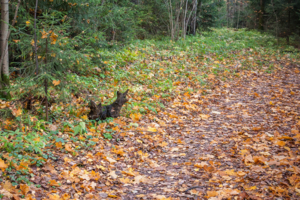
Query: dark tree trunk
[(261, 15)]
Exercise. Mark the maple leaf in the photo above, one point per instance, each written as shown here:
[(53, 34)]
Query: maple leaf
[(66, 196), (44, 34), (211, 194), (129, 172), (125, 180), (22, 166), (68, 147), (54, 183), (201, 165), (152, 129), (113, 174), (140, 179), (3, 166), (24, 189), (250, 187), (53, 197), (16, 112), (58, 145), (280, 143), (135, 116), (56, 82)]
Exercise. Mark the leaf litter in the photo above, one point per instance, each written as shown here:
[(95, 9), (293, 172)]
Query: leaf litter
[(244, 147), (235, 139)]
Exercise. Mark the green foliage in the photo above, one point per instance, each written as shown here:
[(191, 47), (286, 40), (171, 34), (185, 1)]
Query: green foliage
[(210, 15)]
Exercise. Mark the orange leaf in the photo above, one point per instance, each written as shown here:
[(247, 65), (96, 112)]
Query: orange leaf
[(58, 145), (16, 112), (66, 196), (68, 147), (3, 166), (23, 165), (53, 38), (136, 116), (56, 82), (44, 34), (24, 188), (280, 143), (53, 183), (211, 194), (201, 165), (112, 196)]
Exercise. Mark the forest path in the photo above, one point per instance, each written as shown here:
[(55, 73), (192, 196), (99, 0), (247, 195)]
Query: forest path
[(240, 140)]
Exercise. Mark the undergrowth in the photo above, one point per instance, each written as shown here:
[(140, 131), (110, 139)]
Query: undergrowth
[(154, 72)]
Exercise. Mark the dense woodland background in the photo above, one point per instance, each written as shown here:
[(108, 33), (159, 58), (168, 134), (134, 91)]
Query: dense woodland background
[(69, 30)]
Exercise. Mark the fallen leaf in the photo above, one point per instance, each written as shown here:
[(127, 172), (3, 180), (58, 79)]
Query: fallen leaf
[(3, 166), (56, 82)]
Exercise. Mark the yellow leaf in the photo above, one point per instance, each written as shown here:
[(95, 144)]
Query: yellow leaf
[(151, 129), (135, 116), (56, 82), (44, 34), (84, 117), (250, 188), (163, 144), (112, 196), (3, 166), (204, 117), (53, 38), (125, 180)]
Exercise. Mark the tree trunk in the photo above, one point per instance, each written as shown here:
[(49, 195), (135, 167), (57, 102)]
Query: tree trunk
[(4, 67), (289, 24), (238, 18), (261, 15), (228, 10)]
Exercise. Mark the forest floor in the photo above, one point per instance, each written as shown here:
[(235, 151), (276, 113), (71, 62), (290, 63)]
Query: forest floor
[(240, 141), (234, 137)]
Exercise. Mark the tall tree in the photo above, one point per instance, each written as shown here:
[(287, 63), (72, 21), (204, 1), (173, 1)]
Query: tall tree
[(4, 71)]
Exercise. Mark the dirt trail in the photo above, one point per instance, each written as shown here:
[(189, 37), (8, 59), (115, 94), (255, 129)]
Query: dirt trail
[(240, 141)]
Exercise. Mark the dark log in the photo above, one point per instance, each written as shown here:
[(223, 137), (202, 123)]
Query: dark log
[(99, 112)]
